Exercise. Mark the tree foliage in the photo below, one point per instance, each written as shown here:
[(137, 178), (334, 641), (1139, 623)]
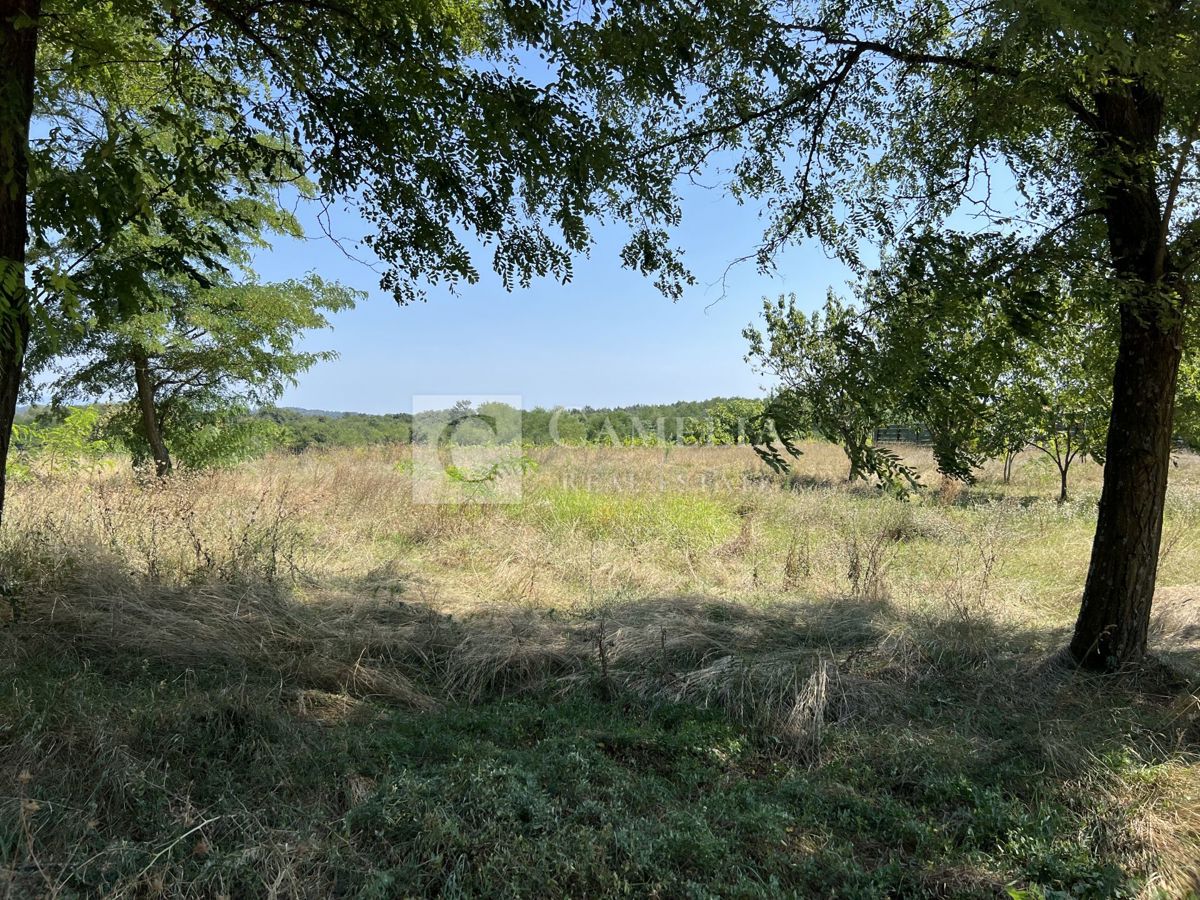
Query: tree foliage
[(67, 444), (936, 345), (412, 110), (825, 363), (208, 355)]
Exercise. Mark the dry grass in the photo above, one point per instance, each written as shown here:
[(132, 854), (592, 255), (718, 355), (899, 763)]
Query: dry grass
[(825, 616)]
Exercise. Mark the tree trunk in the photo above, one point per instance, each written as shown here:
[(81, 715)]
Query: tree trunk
[(18, 50), (1062, 479), (149, 410), (1114, 617)]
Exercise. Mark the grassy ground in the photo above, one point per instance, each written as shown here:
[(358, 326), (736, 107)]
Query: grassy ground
[(658, 673)]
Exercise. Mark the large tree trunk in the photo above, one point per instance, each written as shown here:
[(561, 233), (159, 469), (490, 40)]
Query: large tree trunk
[(1115, 615), (1114, 618), (149, 410), (18, 50)]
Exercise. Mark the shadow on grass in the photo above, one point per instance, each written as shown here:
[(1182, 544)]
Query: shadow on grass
[(229, 739)]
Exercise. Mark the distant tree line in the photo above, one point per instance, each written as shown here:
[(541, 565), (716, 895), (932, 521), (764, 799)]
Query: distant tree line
[(717, 421), (229, 433), (302, 429)]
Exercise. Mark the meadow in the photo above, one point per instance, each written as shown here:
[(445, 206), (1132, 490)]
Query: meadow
[(660, 672)]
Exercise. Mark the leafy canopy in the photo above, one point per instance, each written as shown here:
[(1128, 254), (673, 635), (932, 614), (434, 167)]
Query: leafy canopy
[(177, 120), (862, 122)]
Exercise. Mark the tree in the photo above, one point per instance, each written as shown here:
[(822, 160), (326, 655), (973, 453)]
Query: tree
[(62, 445), (985, 370), (736, 420), (1059, 395), (18, 46), (411, 109), (155, 313), (165, 313), (200, 357), (824, 362), (942, 340), (852, 120), (568, 428)]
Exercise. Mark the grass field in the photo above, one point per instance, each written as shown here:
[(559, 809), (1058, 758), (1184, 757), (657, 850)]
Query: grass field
[(659, 673)]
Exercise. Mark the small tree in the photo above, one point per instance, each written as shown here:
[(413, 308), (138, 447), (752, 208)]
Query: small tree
[(187, 369), (824, 362), (1059, 396), (736, 420), (57, 447)]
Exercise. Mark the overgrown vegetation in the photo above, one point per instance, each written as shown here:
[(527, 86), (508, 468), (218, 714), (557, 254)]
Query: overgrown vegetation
[(691, 677), (657, 672)]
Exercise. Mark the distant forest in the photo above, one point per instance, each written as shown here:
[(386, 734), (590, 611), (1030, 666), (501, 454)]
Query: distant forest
[(719, 420), (240, 434)]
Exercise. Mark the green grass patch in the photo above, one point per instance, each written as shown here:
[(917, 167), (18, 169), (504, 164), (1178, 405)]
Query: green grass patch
[(676, 519)]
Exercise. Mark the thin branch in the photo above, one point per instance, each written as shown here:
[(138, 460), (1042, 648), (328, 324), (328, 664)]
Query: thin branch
[(1160, 259)]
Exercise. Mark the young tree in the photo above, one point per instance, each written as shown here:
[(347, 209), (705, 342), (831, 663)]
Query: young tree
[(824, 362), (1059, 395), (58, 443), (202, 356), (853, 120), (736, 420)]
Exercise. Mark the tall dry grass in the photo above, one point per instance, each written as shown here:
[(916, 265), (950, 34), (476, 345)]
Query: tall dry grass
[(309, 550), (809, 608)]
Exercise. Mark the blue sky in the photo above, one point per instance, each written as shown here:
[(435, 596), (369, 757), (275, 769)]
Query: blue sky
[(608, 338)]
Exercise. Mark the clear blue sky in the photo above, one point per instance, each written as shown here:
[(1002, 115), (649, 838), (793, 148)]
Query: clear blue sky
[(606, 339)]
